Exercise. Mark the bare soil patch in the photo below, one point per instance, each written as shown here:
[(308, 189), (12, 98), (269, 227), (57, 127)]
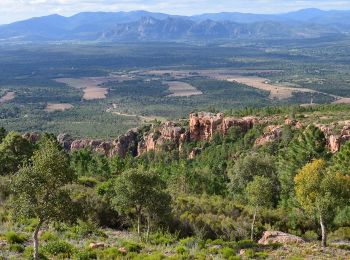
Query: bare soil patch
[(91, 86), (182, 89), (7, 97), (342, 100), (276, 91), (51, 107)]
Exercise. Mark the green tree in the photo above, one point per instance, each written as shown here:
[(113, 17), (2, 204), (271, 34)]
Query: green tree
[(140, 193), (246, 168), (14, 152), (341, 160), (3, 133), (39, 188), (321, 192), (309, 145), (259, 193)]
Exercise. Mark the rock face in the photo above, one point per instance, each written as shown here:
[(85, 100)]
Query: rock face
[(334, 141), (65, 140), (169, 132), (204, 125), (272, 133), (125, 144), (270, 237), (32, 137)]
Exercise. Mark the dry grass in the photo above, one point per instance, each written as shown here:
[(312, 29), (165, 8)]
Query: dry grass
[(51, 107), (7, 97), (182, 89)]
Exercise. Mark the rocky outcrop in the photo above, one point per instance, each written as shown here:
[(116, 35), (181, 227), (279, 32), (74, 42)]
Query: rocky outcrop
[(204, 125), (334, 141), (272, 133), (125, 144), (32, 137), (271, 237), (65, 140), (168, 132)]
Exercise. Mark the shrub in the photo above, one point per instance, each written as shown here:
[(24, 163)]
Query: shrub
[(16, 248), (182, 250), (228, 252), (14, 238), (131, 246), (342, 233), (28, 253), (261, 255), (58, 247), (310, 235), (109, 253), (85, 255), (161, 238), (48, 236), (90, 182), (85, 229), (245, 244), (249, 253), (188, 242)]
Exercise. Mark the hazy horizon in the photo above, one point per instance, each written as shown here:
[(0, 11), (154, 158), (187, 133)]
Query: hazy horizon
[(14, 10)]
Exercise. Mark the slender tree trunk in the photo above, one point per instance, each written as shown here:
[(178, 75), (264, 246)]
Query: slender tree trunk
[(138, 223), (148, 227), (36, 240), (253, 224), (323, 231)]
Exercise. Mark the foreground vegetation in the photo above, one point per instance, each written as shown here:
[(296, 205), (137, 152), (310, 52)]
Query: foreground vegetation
[(160, 205)]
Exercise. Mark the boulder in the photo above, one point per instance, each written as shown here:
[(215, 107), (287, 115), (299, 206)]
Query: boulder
[(97, 245), (270, 237)]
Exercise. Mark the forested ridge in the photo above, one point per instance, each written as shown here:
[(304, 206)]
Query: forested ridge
[(174, 203)]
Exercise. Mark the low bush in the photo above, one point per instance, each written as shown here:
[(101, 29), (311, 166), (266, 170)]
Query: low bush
[(48, 236), (228, 253), (59, 248), (342, 233), (245, 244), (131, 246), (85, 255), (14, 238), (16, 248), (310, 236), (160, 238)]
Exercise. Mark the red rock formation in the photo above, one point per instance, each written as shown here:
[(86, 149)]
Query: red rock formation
[(272, 133), (125, 144), (244, 123), (65, 140), (203, 125), (32, 137)]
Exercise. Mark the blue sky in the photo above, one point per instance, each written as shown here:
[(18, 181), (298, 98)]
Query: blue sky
[(12, 10)]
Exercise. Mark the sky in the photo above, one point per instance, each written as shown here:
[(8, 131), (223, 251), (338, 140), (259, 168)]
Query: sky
[(14, 10)]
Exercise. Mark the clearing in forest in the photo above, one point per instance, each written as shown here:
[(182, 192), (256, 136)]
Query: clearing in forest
[(7, 97), (51, 107), (276, 91), (90, 86), (182, 89)]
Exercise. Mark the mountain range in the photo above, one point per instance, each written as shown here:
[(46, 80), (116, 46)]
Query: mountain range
[(148, 26)]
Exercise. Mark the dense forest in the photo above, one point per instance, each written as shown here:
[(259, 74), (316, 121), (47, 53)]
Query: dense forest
[(162, 204)]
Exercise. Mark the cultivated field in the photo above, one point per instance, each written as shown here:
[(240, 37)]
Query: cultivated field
[(182, 89), (52, 107)]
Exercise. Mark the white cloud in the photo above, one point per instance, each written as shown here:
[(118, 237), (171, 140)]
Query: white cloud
[(11, 10)]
